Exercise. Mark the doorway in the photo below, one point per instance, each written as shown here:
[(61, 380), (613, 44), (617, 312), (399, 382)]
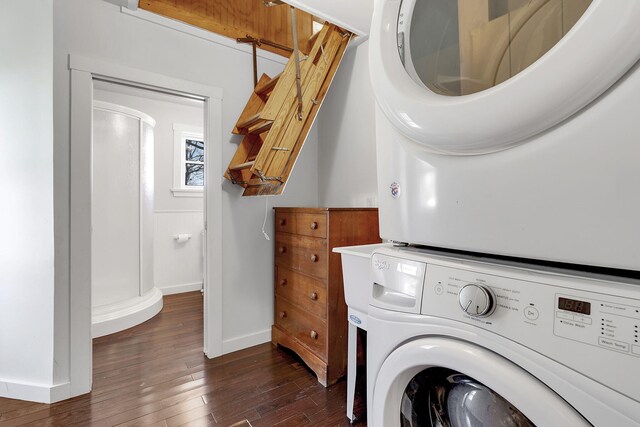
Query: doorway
[(147, 203), (85, 73)]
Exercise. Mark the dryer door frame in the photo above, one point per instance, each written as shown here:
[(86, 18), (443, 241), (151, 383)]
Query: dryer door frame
[(602, 46), (513, 383)]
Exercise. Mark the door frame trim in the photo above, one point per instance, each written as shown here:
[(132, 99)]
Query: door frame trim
[(83, 72)]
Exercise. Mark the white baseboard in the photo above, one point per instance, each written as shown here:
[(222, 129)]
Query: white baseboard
[(34, 392), (183, 287), (239, 343)]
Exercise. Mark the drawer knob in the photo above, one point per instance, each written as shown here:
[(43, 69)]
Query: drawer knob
[(283, 221), (313, 296), (314, 258), (313, 335), (283, 282), (282, 249), (283, 314), (314, 225)]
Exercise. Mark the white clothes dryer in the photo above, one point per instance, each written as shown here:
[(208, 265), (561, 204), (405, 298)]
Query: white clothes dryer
[(472, 342), (510, 127)]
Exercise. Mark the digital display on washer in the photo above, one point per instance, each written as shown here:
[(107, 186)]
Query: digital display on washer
[(576, 306)]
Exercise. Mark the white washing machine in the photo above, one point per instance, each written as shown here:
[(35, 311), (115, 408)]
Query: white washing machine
[(472, 342), (510, 127)]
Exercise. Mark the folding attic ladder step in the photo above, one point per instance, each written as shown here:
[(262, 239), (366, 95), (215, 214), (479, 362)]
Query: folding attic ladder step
[(260, 127), (248, 122), (251, 111), (312, 40), (241, 166), (257, 102), (266, 88), (254, 124), (276, 124)]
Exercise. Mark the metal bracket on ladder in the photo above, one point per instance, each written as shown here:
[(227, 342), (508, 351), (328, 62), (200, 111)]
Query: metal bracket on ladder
[(254, 44), (234, 180), (264, 178)]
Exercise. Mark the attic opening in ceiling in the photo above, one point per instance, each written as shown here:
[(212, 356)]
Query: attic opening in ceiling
[(239, 19), (281, 110)]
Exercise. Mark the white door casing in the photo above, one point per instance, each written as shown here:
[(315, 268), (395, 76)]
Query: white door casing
[(83, 72)]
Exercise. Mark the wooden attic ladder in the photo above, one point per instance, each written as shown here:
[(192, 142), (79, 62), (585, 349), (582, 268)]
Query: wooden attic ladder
[(275, 124)]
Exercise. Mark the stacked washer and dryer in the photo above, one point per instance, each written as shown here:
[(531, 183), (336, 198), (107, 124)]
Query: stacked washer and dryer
[(508, 146)]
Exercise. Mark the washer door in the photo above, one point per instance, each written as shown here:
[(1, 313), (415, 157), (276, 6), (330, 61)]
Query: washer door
[(473, 77), (443, 397), (442, 382)]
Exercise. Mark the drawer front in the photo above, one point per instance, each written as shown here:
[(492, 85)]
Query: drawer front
[(309, 330), (306, 224), (307, 293), (304, 254)]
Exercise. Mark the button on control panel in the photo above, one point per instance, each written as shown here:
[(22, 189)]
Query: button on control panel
[(531, 313), (577, 318)]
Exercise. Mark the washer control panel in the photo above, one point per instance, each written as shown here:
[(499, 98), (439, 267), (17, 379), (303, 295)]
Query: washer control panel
[(508, 305)]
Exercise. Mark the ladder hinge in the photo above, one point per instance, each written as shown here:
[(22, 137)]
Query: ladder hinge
[(233, 178), (264, 178)]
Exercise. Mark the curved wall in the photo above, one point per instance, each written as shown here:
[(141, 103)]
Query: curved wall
[(123, 293)]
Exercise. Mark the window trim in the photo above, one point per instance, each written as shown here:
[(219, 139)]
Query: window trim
[(182, 132)]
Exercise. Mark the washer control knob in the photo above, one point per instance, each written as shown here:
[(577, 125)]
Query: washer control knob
[(477, 300)]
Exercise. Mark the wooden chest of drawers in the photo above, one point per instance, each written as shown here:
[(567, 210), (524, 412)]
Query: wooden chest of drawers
[(310, 313)]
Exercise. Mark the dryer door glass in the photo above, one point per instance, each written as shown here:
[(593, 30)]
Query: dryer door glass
[(459, 47), (441, 397)]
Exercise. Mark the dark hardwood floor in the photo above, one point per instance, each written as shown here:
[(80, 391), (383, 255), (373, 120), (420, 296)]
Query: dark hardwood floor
[(156, 374)]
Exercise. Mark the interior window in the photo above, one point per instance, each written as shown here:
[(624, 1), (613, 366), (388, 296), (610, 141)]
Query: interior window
[(193, 162), (189, 154)]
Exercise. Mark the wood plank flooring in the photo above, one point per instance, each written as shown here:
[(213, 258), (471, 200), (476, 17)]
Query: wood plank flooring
[(156, 374)]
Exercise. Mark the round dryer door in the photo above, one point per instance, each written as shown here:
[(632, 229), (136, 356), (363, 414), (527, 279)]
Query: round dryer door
[(473, 77), (441, 382)]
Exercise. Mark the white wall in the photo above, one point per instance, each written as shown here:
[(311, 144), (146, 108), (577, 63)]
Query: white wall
[(26, 191), (177, 266), (346, 135), (96, 29)]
